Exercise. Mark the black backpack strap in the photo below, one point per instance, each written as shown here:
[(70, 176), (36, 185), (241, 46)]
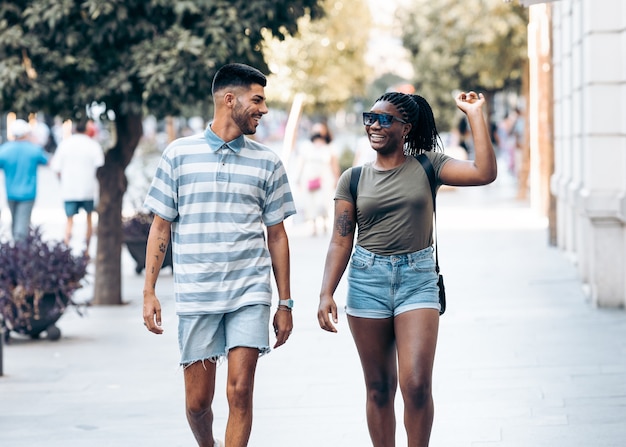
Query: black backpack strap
[(355, 175), (430, 173)]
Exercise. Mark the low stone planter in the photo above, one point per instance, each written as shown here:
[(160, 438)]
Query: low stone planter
[(36, 319), (37, 280)]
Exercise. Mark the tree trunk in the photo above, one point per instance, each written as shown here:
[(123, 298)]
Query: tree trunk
[(113, 183)]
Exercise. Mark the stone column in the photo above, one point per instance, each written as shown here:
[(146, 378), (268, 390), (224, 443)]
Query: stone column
[(590, 141)]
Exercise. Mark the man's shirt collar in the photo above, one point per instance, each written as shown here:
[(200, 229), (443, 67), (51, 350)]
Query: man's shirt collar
[(215, 143)]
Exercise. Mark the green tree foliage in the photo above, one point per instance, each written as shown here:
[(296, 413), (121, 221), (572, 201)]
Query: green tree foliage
[(129, 54), (132, 56), (474, 44), (325, 61)]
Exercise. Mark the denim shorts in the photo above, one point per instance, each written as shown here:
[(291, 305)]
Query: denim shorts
[(73, 206), (386, 286), (211, 336)]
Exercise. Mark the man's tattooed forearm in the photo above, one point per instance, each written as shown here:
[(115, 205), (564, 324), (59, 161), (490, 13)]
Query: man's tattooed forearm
[(162, 244), (344, 224)]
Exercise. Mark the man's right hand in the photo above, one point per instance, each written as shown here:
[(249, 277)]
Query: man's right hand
[(152, 313)]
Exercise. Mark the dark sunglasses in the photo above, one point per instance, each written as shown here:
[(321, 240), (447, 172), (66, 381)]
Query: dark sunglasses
[(383, 119)]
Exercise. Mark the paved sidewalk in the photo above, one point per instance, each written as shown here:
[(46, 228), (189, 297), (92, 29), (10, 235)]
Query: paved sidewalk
[(523, 358)]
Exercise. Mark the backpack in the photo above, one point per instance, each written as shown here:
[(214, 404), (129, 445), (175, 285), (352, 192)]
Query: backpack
[(355, 176)]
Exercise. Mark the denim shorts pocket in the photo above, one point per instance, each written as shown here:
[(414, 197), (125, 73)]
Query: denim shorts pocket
[(359, 263)]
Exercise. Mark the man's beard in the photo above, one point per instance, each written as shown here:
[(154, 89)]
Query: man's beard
[(242, 119)]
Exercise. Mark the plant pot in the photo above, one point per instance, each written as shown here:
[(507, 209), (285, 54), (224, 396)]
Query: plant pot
[(33, 322), (137, 249)]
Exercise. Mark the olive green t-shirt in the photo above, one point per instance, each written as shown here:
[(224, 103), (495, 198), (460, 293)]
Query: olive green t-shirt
[(394, 208)]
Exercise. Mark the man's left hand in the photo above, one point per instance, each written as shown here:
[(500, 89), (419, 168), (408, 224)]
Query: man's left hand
[(283, 325)]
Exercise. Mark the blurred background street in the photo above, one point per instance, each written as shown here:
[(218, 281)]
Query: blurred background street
[(532, 348), (523, 358)]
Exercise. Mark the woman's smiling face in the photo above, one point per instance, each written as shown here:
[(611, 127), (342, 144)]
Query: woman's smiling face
[(386, 140)]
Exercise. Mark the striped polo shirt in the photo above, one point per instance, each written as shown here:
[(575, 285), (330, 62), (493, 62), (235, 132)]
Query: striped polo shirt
[(220, 196)]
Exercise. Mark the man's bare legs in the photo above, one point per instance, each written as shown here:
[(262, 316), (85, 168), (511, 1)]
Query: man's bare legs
[(68, 230), (200, 389), (89, 232), (239, 392), (69, 225), (199, 392)]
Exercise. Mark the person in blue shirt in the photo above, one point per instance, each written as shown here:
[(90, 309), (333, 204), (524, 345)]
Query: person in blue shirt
[(19, 159)]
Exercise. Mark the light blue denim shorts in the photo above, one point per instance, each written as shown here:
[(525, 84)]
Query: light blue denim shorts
[(211, 336), (386, 286)]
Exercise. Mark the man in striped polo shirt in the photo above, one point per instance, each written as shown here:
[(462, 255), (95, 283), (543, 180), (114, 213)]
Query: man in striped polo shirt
[(216, 195)]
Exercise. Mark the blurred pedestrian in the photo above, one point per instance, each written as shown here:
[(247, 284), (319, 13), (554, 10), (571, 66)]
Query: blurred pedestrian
[(465, 138), (318, 174), (223, 198), (41, 135), (75, 162), (20, 159), (507, 138), (363, 152), (392, 303)]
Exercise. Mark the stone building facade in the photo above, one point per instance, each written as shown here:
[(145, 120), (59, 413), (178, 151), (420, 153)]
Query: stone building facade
[(589, 138)]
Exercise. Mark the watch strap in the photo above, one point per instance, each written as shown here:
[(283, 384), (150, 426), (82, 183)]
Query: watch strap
[(286, 303)]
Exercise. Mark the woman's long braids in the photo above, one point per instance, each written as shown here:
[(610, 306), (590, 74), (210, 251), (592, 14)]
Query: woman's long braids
[(423, 136)]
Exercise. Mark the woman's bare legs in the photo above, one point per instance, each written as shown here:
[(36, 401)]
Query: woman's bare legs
[(375, 342), (416, 339), (413, 335)]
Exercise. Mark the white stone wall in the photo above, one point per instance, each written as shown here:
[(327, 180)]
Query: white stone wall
[(589, 55)]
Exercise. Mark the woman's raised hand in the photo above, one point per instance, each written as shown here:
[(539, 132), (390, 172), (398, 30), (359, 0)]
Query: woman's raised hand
[(468, 101)]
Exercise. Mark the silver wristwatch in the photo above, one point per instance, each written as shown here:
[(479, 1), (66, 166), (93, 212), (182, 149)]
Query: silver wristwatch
[(286, 303)]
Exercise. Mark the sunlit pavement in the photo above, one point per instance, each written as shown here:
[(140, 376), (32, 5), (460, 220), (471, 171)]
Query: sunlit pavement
[(523, 358)]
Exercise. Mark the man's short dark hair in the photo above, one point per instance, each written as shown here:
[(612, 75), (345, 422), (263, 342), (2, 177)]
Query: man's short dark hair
[(237, 75), (81, 126)]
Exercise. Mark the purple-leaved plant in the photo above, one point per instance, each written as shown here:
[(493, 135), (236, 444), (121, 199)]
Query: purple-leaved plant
[(33, 268), (137, 226)]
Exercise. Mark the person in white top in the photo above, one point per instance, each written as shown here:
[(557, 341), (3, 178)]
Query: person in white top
[(75, 161), (318, 173)]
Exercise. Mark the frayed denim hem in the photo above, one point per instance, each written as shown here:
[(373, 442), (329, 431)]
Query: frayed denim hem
[(219, 358)]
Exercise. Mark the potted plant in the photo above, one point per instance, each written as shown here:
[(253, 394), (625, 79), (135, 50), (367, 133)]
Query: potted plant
[(136, 229), (37, 280)]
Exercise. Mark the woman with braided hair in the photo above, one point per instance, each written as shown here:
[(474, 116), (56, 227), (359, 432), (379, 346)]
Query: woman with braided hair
[(392, 303)]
